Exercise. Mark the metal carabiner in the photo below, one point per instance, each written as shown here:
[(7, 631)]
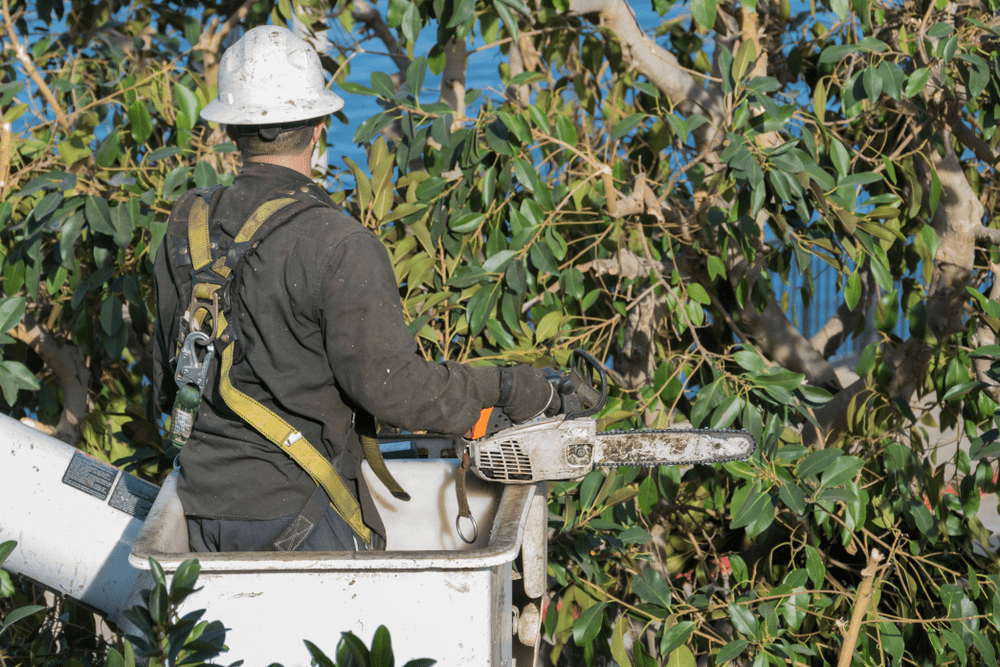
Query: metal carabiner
[(189, 369)]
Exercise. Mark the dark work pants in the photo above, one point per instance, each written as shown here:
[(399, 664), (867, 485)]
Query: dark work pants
[(317, 527)]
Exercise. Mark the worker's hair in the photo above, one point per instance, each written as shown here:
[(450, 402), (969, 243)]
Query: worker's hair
[(257, 140)]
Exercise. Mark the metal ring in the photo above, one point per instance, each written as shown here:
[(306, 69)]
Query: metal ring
[(475, 528)]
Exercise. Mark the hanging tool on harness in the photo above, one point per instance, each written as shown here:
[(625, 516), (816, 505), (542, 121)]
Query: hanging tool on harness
[(191, 376), (194, 360)]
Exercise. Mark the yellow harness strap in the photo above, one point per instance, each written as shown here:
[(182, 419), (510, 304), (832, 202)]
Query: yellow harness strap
[(364, 424), (291, 441)]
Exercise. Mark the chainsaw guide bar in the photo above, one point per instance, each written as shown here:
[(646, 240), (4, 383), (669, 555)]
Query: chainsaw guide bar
[(557, 448)]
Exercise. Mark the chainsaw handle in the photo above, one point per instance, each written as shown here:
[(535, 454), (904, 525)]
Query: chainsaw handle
[(591, 364)]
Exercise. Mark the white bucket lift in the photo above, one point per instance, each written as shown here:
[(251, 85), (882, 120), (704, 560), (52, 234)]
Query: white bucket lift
[(460, 604)]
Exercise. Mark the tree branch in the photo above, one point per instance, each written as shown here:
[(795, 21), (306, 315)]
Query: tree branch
[(5, 144), (845, 321), (69, 364), (988, 235), (655, 63), (33, 74), (453, 76), (372, 19)]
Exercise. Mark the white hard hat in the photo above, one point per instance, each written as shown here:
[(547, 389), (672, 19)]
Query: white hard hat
[(270, 76)]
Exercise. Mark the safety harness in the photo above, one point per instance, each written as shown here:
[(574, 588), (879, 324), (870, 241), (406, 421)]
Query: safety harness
[(209, 293)]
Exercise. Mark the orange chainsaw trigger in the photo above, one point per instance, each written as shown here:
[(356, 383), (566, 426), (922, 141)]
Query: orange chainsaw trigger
[(479, 430)]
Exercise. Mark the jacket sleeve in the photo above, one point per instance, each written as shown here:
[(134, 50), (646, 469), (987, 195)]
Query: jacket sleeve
[(373, 356)]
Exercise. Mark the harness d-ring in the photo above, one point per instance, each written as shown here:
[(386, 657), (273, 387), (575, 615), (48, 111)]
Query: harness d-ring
[(475, 528)]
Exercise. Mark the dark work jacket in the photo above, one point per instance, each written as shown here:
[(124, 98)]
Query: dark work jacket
[(320, 310)]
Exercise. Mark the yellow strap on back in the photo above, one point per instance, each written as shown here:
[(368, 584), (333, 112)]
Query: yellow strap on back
[(291, 441), (199, 241)]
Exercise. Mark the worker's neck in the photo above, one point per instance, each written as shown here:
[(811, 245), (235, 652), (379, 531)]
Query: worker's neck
[(301, 163)]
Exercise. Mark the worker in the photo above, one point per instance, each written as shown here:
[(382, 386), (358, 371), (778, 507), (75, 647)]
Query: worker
[(311, 324)]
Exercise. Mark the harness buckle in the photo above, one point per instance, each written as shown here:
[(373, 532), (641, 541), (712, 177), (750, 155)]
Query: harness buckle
[(189, 369)]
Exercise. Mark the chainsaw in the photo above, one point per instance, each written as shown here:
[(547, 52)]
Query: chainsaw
[(567, 446)]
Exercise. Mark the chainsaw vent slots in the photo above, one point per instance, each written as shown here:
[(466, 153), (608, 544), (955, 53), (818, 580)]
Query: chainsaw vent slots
[(506, 461)]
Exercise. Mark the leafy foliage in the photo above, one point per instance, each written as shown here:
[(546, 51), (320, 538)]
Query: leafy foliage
[(680, 210)]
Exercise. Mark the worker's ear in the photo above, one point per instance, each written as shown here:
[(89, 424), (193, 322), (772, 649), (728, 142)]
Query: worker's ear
[(317, 131)]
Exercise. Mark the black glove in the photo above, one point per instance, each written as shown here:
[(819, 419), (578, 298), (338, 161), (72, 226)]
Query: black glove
[(525, 393)]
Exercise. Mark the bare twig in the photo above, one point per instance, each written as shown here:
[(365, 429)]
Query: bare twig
[(5, 141), (861, 601), (29, 68)]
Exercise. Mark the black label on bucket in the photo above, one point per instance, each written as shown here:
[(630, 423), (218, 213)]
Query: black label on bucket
[(90, 475), (133, 496)]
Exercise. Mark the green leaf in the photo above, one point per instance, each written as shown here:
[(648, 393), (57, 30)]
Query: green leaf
[(99, 215), (835, 53), (726, 413), (204, 175), (411, 27), (917, 81), (184, 579), (626, 125), (371, 127), (318, 656), (676, 636), (16, 376), (841, 470), (381, 653), (650, 587), (819, 461), (498, 262), (793, 497), (140, 124), (754, 503), (187, 107), (20, 613), (416, 72), (618, 652), (565, 131), (500, 335), (11, 312), (871, 79), (852, 293), (815, 567), (158, 604), (749, 360), (840, 157), (731, 650), (698, 293), (743, 59), (634, 535), (507, 16), (703, 11), (157, 571), (743, 620), (480, 308), (548, 327), (842, 8), (588, 626), (5, 550)]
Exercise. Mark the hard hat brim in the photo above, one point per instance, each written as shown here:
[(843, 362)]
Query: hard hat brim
[(273, 112)]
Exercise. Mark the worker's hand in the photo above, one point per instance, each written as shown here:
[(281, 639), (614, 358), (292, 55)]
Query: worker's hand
[(526, 393)]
